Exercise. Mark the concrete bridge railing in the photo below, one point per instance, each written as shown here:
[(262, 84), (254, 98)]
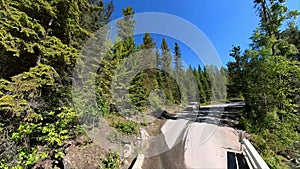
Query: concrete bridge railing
[(254, 160)]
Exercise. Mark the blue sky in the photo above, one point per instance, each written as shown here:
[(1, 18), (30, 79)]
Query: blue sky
[(224, 22)]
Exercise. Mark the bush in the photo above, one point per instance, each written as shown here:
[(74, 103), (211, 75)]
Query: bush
[(125, 126), (112, 161)]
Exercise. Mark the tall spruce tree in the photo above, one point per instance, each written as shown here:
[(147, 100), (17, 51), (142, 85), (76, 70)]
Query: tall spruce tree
[(202, 86), (235, 73), (178, 63), (166, 67), (178, 72), (207, 85), (122, 49), (146, 80)]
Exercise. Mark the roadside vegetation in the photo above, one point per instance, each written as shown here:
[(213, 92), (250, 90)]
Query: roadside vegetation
[(267, 77), (41, 42)]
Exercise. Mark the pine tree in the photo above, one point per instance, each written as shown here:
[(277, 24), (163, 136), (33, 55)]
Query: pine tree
[(126, 25), (207, 85), (215, 83), (235, 73), (115, 55), (178, 72), (148, 54), (200, 87), (191, 86), (146, 80), (178, 63), (166, 67), (270, 77)]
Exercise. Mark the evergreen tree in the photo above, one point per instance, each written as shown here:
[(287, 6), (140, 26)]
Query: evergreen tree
[(292, 34), (148, 54), (206, 85), (222, 82), (191, 86), (166, 67), (235, 73), (271, 75), (114, 57), (158, 61), (178, 72), (44, 38), (202, 86), (178, 63), (215, 83), (146, 80), (126, 25)]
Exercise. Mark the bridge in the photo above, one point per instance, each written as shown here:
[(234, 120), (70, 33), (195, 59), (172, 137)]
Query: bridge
[(203, 139)]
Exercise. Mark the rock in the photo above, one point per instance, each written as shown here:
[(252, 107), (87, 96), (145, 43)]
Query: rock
[(44, 163), (124, 141), (144, 134), (66, 163), (125, 162), (144, 137), (127, 151)]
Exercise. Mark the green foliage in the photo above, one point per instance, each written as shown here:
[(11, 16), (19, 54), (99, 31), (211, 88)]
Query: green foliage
[(178, 72), (270, 72), (190, 83), (165, 80), (112, 161), (235, 73), (50, 131), (126, 25), (110, 63), (156, 101), (146, 80), (217, 80), (29, 156), (44, 38), (126, 126), (271, 158)]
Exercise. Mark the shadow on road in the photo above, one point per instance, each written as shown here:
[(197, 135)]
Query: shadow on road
[(171, 159), (236, 160), (222, 116)]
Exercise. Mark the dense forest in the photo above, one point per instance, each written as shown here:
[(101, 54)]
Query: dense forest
[(41, 45), (41, 42), (267, 76)]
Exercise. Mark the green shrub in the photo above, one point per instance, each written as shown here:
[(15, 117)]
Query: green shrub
[(264, 146), (50, 131), (125, 126), (112, 161)]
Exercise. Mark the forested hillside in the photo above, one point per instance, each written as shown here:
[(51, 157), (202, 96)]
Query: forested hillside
[(42, 50), (41, 42), (267, 76)]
